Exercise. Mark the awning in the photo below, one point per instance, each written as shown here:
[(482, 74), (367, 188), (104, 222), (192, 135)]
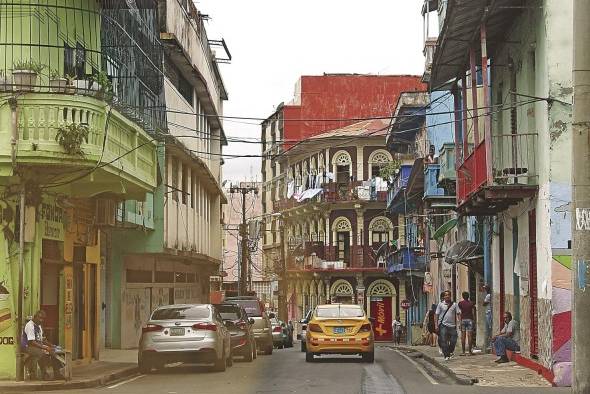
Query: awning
[(460, 30), (464, 252)]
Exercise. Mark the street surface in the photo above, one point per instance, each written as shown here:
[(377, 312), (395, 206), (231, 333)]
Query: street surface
[(287, 372)]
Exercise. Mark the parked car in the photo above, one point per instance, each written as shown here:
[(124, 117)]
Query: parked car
[(262, 327), (302, 332), (339, 329), (190, 333), (279, 336), (240, 328)]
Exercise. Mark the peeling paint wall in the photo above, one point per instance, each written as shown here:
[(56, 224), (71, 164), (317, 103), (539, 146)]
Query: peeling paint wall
[(542, 62)]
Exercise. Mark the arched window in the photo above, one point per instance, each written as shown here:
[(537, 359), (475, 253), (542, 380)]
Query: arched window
[(380, 230), (342, 237), (342, 166), (378, 159)]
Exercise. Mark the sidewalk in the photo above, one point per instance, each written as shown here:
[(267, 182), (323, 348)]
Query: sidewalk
[(481, 369), (112, 366)]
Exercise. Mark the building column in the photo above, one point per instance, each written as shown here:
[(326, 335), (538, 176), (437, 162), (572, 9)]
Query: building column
[(360, 235), (360, 290), (401, 295), (359, 163), (328, 295)]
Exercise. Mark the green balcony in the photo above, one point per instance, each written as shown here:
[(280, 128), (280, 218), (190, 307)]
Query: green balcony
[(123, 163)]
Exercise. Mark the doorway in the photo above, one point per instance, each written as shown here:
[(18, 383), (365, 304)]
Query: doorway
[(343, 246)]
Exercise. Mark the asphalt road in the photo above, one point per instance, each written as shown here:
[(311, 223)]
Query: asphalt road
[(287, 372)]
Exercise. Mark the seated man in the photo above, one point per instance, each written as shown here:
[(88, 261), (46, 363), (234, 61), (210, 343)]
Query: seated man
[(507, 339), (40, 351)]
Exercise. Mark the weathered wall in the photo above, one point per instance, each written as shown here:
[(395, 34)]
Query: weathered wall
[(342, 97)]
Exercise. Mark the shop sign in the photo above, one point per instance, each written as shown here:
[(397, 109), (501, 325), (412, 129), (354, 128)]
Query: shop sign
[(51, 218)]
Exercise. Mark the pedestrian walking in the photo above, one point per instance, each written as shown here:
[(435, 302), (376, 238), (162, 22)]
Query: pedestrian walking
[(446, 323), (431, 326), (397, 330), (467, 309), (487, 302)]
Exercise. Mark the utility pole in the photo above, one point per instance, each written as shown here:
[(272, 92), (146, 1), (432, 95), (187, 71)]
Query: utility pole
[(21, 264), (282, 277), (244, 247), (581, 199)]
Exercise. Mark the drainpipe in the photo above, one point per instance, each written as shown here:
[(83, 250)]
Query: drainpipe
[(21, 263), (14, 130), (487, 266), (581, 200)]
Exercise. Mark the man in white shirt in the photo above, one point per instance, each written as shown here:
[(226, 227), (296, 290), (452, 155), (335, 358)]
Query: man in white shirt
[(446, 325), (397, 330), (507, 339), (40, 351)]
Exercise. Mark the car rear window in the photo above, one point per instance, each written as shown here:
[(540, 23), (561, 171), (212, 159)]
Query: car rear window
[(182, 313), (228, 312), (252, 307), (340, 311)]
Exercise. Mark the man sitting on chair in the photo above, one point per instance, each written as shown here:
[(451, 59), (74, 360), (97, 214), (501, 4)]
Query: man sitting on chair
[(40, 351)]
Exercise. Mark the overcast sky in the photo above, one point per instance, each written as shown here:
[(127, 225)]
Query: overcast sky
[(273, 42)]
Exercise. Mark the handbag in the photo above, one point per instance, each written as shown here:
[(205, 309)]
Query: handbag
[(441, 319)]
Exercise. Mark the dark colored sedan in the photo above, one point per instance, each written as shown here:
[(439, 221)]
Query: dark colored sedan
[(240, 328)]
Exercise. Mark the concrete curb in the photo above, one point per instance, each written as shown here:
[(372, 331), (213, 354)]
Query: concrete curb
[(20, 387), (460, 379)]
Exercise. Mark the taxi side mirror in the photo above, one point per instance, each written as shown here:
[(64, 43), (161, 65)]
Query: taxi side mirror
[(372, 320)]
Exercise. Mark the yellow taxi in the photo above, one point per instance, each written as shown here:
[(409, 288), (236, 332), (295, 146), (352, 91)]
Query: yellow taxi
[(339, 329)]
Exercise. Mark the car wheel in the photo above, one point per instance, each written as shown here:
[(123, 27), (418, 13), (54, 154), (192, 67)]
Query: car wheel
[(303, 347), (249, 355), (220, 363), (230, 360), (368, 357), (309, 357), (145, 367)]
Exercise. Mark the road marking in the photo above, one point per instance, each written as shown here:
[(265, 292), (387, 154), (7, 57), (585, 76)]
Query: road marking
[(375, 380), (125, 382), (418, 367)]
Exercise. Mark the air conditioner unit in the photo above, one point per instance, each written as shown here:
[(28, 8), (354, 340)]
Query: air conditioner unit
[(106, 212)]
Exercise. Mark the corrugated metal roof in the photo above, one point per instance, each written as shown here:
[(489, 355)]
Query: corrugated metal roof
[(373, 127), (461, 28)]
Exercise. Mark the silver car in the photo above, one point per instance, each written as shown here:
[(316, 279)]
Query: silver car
[(262, 327), (190, 333)]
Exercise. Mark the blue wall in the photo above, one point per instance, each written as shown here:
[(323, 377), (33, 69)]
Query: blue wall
[(440, 127)]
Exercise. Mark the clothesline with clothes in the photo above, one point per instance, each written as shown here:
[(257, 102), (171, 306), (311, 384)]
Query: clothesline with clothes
[(314, 186)]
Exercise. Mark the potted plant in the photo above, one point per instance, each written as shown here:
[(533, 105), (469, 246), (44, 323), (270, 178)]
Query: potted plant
[(103, 85), (57, 83), (4, 85), (71, 137), (25, 74), (70, 86)]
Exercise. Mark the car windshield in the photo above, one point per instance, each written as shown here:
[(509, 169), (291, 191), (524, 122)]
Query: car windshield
[(340, 311), (182, 313), (228, 312), (252, 307)]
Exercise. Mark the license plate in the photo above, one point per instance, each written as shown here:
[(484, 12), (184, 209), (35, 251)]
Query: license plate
[(176, 331), (339, 330)]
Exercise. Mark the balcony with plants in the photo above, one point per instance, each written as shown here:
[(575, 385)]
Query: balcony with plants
[(82, 95)]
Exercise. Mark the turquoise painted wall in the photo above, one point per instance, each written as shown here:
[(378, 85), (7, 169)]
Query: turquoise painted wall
[(135, 241)]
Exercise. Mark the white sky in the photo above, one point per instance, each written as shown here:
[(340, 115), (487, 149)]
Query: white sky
[(273, 42)]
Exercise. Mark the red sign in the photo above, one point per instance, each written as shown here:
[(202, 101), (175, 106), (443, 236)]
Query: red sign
[(381, 311), (405, 304)]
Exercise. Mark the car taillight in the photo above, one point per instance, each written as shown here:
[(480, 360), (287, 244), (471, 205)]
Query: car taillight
[(365, 327), (205, 326), (314, 327), (151, 328), (277, 329)]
